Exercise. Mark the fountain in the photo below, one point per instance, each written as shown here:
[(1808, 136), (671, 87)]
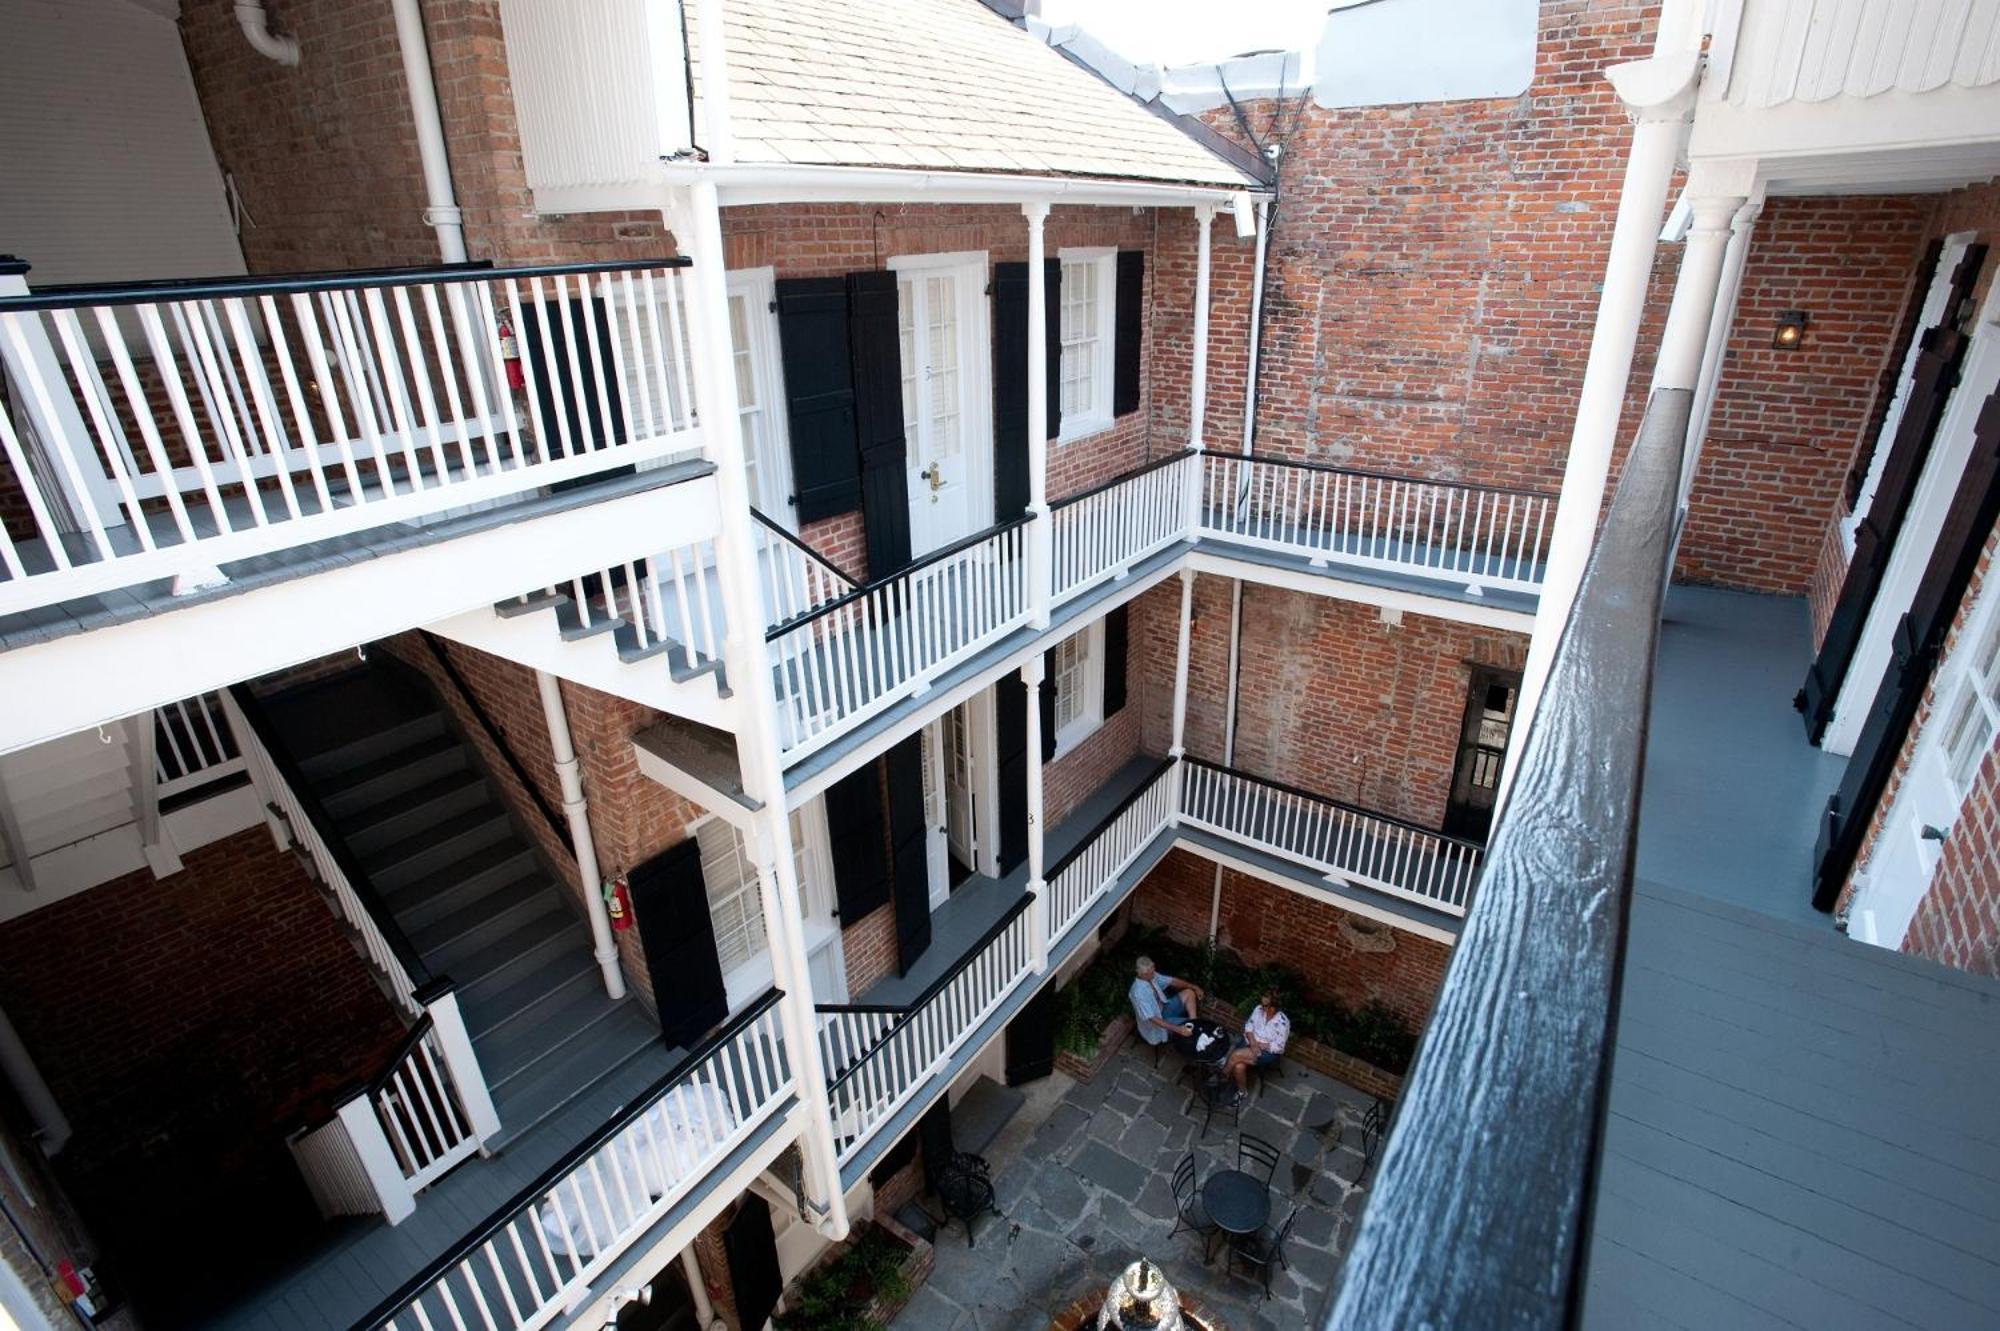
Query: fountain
[(1140, 1299)]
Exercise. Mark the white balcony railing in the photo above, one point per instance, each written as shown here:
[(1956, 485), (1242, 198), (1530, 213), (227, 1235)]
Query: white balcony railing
[(1331, 838), (794, 578), (1080, 878), (1102, 532), (193, 745), (1475, 535), (855, 655), (878, 1056), (528, 1265), (166, 429)]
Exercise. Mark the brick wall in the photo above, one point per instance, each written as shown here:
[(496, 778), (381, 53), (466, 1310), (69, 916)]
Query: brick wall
[(186, 1024), (1265, 924), (1786, 423), (1330, 697), (1072, 777)]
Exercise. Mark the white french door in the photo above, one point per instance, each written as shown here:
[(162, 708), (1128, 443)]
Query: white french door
[(942, 324), (760, 392), (961, 815), (936, 819)]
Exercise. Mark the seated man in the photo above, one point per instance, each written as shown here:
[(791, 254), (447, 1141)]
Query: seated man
[(1264, 1037), (1164, 1007)]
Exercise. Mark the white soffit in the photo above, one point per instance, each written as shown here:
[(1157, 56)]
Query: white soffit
[(1393, 52)]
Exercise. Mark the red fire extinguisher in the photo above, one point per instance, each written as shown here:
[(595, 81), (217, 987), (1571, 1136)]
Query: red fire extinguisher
[(618, 903), (510, 356)]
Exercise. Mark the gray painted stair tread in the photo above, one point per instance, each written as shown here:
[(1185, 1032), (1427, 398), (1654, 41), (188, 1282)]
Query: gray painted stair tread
[(458, 883), (429, 748), (572, 1070), (493, 969), (517, 1047), (404, 803), (551, 977), (494, 915), (465, 832)]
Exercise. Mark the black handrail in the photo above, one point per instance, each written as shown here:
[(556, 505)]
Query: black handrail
[(1480, 1214), (498, 740), (350, 868), (758, 515), (1301, 792), (936, 987), (1297, 465), (1120, 479), (417, 1285), (1055, 871), (916, 566), (222, 288)]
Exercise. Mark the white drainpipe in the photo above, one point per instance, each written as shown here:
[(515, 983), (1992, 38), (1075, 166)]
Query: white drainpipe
[(256, 25), (578, 809), (441, 212), (18, 1065)]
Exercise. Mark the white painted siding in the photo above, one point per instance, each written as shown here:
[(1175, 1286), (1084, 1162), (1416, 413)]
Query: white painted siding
[(106, 171)]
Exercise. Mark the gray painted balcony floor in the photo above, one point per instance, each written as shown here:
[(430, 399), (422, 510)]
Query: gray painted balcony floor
[(1801, 1128)]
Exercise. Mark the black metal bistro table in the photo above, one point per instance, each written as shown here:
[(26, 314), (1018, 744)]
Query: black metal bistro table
[(1237, 1202)]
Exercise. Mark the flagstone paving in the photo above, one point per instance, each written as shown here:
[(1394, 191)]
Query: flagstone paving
[(1088, 1189)]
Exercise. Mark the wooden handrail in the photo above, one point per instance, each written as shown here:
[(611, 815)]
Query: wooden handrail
[(1480, 1212)]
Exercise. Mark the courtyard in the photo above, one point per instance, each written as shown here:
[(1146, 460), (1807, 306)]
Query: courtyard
[(1083, 1173)]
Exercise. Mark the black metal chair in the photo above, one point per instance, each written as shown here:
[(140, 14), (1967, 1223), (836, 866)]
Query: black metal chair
[(1264, 1250), (1218, 1093), (1254, 1155), (1190, 1214), (965, 1186), (1374, 1127)]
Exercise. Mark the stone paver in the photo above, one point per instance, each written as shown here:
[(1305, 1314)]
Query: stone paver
[(1089, 1189)]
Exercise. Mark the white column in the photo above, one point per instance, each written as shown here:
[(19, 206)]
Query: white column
[(583, 844), (1741, 227), (1256, 326), (1684, 340), (1038, 903), (1659, 93), (696, 220), (1041, 536), (377, 1158), (1178, 749), (1204, 216)]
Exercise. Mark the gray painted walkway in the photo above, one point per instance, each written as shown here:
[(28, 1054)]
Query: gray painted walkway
[(1802, 1128)]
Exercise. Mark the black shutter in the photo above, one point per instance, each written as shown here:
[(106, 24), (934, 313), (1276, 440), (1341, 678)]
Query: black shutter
[(1010, 380), (819, 396), (670, 906), (1920, 636), (860, 856), (1010, 738), (1117, 633), (1128, 332), (1045, 699), (878, 420), (752, 1251), (910, 852), (585, 412), (934, 1131), (1932, 380), (1031, 1039)]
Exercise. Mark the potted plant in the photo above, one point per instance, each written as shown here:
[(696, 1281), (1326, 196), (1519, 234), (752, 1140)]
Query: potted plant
[(863, 1285)]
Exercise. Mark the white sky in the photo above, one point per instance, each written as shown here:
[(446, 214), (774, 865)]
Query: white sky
[(1190, 32)]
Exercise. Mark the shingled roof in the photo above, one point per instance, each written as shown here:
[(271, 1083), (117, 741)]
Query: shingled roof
[(933, 85)]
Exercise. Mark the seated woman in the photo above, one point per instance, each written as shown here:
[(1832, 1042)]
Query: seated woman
[(1264, 1037)]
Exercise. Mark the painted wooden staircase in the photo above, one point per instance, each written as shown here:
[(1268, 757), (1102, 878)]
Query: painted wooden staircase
[(465, 886)]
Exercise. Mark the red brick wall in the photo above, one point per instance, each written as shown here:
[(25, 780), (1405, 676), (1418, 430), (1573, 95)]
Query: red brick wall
[(1330, 697), (1073, 776), (210, 1010), (1786, 423), (1265, 924), (1434, 269)]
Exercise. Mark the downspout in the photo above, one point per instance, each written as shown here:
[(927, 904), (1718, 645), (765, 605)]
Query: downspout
[(568, 771), (441, 210), (1229, 712), (1256, 329), (51, 1124), (256, 25)]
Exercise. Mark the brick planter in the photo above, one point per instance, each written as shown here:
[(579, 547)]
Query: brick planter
[(1109, 1042), (916, 1267), (1321, 1058)]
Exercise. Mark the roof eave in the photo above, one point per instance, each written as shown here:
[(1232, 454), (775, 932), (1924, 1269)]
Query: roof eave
[(743, 183)]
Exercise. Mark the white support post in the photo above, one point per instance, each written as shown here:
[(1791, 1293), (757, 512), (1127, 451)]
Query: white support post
[(1734, 258), (1041, 535), (1684, 340), (696, 220), (377, 1158), (1177, 750), (1204, 218), (1659, 95), (569, 772), (140, 739), (1032, 674), (467, 1078)]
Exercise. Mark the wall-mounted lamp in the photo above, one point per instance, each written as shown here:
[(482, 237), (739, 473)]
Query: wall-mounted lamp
[(1791, 331)]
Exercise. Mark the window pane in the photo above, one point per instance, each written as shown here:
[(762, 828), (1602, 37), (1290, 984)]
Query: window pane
[(734, 908), (906, 330), (941, 296), (1078, 372)]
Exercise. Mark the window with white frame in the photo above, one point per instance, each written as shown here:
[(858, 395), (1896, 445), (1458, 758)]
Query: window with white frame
[(735, 907), (1089, 304), (1973, 718), (1077, 672)]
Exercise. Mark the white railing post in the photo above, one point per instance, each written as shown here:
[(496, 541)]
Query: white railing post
[(1178, 749), (377, 1158), (467, 1078), (1040, 564), (1204, 217), (1032, 675)]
